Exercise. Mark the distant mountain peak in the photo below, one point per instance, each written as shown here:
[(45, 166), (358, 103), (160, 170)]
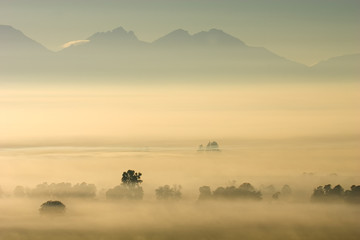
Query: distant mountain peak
[(180, 31), (215, 30), (118, 34), (4, 27), (8, 32), (13, 41), (212, 37), (217, 37), (119, 30), (344, 66), (178, 36)]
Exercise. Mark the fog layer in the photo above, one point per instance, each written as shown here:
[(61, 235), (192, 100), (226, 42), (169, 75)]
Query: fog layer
[(300, 135)]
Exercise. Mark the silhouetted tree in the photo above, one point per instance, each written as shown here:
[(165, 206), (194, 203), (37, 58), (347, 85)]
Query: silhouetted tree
[(336, 194), (328, 194), (131, 178), (353, 195), (286, 191), (247, 187), (52, 207), (268, 191), (327, 189), (212, 146), (129, 188), (276, 195), (205, 193), (244, 191), (318, 194), (201, 147), (337, 191), (168, 193)]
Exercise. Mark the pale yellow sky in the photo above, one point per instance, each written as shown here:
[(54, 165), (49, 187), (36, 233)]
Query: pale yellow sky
[(248, 111)]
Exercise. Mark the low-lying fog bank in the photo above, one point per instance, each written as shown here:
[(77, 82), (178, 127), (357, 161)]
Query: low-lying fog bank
[(267, 167), (20, 219), (73, 145)]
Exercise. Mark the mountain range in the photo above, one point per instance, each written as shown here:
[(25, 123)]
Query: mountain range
[(212, 53), (14, 43)]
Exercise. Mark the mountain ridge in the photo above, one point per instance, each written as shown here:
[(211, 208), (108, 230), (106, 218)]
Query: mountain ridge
[(206, 53), (213, 37), (15, 42), (118, 33)]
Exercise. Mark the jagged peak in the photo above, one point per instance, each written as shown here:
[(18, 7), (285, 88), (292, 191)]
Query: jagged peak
[(118, 32), (215, 30), (180, 31), (217, 36), (174, 37)]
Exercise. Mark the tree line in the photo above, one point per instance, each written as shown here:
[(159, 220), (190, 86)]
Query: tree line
[(327, 193), (130, 189)]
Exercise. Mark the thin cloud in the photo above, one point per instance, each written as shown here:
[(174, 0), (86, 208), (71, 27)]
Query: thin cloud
[(74, 43)]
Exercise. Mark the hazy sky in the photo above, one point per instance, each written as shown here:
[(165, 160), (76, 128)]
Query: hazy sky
[(152, 113), (306, 31)]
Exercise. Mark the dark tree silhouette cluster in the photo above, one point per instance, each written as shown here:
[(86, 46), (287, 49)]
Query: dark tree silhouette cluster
[(286, 191), (58, 190), (328, 194), (353, 195), (336, 194), (211, 146), (244, 192), (52, 207), (284, 194), (131, 178), (168, 193), (129, 188), (205, 193)]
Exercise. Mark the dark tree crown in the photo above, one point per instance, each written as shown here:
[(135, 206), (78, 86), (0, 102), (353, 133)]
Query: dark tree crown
[(131, 177)]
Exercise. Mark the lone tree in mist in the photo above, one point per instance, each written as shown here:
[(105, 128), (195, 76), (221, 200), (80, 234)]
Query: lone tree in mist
[(211, 146), (168, 193), (131, 178), (129, 188), (52, 207), (276, 196)]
